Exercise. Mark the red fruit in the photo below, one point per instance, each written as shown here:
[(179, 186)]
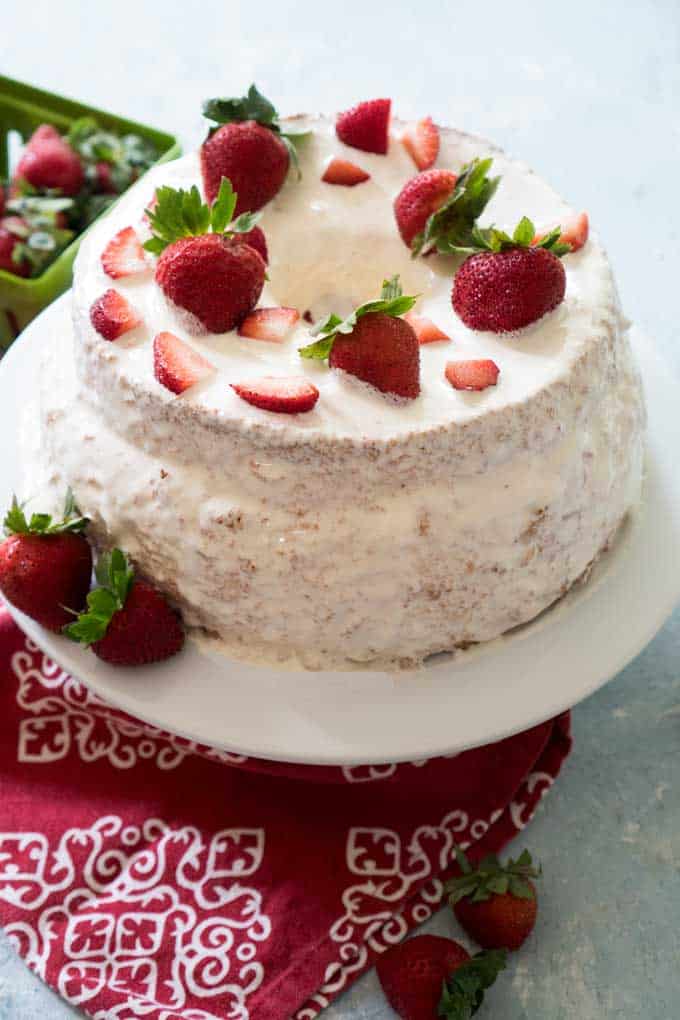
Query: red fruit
[(176, 365), (254, 159), (256, 239), (269, 324), (472, 375), (574, 232), (419, 198), (124, 255), (366, 126), (8, 241), (501, 922), (293, 395), (40, 574), (341, 171), (145, 630), (421, 141), (48, 161), (2, 200), (507, 290), (382, 350), (112, 315), (425, 329), (218, 279), (413, 973), (104, 180)]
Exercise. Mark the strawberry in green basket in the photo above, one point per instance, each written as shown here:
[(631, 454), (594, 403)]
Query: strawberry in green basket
[(46, 565), (496, 903)]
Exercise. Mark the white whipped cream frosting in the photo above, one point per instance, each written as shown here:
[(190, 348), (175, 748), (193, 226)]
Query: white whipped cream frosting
[(369, 530)]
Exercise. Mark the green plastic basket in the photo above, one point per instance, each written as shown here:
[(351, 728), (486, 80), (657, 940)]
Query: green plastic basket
[(22, 109)]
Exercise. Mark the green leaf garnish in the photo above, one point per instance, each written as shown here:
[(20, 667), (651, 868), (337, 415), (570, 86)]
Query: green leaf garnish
[(114, 577), (463, 992), (490, 877), (16, 522), (392, 301), (254, 106), (179, 213), (451, 225)]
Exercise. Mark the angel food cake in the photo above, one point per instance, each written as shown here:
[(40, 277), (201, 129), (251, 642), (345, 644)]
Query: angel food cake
[(388, 417)]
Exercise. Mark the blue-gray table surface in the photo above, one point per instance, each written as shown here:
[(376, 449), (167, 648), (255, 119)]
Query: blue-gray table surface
[(588, 95)]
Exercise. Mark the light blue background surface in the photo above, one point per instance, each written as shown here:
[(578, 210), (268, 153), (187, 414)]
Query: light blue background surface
[(588, 94)]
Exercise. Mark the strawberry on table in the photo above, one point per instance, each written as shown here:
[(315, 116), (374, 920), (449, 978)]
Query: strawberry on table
[(46, 565), (472, 375), (428, 977), (269, 324), (124, 255), (49, 162), (127, 622), (421, 141), (373, 343), (496, 903), (176, 365), (204, 266), (366, 126), (286, 395), (112, 315), (250, 146), (341, 171), (511, 282), (425, 329)]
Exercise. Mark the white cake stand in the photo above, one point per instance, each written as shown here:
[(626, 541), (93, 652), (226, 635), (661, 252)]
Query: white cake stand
[(337, 718)]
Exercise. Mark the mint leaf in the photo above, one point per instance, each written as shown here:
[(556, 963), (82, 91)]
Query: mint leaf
[(463, 992), (392, 302)]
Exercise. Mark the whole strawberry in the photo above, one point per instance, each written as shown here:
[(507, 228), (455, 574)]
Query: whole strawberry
[(429, 976), (127, 622), (205, 267), (366, 126), (49, 162), (250, 147), (496, 903), (420, 197), (46, 565), (373, 343)]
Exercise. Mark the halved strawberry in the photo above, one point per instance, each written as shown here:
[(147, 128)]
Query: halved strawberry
[(421, 141), (472, 375), (574, 232), (269, 324), (292, 395), (176, 365), (425, 329), (124, 255), (366, 126), (112, 315), (341, 171)]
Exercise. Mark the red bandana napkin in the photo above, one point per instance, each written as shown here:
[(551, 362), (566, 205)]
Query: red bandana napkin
[(139, 877)]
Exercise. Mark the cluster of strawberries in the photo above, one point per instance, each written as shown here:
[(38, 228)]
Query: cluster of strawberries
[(60, 184), (46, 572), (429, 976), (215, 268)]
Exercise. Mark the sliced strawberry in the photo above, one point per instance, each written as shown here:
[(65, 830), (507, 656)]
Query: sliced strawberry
[(472, 375), (269, 324), (341, 171), (421, 141), (366, 126), (176, 365), (124, 255), (149, 208), (112, 315), (425, 329), (293, 395), (574, 232)]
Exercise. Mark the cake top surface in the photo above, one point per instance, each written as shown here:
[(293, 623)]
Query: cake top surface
[(330, 248)]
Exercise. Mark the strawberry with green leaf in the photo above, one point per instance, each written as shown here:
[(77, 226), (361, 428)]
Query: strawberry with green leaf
[(429, 976), (495, 903), (127, 622), (373, 343), (204, 265), (250, 146), (46, 564)]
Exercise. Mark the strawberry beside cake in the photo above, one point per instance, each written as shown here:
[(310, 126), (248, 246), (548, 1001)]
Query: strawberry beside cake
[(348, 391)]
